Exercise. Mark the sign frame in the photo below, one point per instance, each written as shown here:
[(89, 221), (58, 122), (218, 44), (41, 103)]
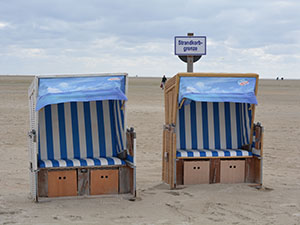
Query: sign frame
[(188, 37)]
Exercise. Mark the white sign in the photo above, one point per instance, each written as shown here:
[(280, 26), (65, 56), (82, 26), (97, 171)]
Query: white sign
[(190, 45)]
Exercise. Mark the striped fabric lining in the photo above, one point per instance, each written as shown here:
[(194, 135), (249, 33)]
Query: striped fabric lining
[(213, 125), (80, 130), (108, 161), (213, 153)]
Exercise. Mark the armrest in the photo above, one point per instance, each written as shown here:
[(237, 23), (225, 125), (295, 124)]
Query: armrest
[(258, 134), (131, 145)]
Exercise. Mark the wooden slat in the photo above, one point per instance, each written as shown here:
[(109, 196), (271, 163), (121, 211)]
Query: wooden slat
[(125, 180), (249, 170), (170, 83), (43, 183), (179, 172), (214, 171), (83, 181)]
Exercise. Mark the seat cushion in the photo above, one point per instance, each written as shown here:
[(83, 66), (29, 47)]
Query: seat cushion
[(84, 162), (213, 153)]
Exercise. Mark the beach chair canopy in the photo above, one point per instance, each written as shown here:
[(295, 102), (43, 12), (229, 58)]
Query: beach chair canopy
[(80, 89), (81, 121), (217, 89)]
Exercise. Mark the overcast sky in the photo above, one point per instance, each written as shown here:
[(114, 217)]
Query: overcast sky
[(137, 37)]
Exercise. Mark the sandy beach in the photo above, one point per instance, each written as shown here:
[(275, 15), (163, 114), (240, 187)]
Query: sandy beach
[(277, 203)]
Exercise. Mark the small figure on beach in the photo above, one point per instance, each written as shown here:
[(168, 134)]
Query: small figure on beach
[(282, 78), (277, 78), (163, 82)]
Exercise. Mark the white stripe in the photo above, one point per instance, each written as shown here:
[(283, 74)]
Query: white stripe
[(220, 153), (177, 131), (81, 130), (232, 152), (116, 126), (48, 163), (208, 153), (55, 132), (199, 125), (182, 153), (247, 122), (103, 161), (211, 129), (234, 136), (62, 163), (90, 162), (94, 123), (76, 162), (42, 126), (243, 123), (222, 125), (195, 153), (187, 117), (120, 120), (107, 129), (117, 161), (69, 134)]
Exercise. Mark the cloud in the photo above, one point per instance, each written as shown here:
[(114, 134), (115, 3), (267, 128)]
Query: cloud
[(137, 36)]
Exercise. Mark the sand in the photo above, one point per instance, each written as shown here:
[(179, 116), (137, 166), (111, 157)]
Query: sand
[(277, 203)]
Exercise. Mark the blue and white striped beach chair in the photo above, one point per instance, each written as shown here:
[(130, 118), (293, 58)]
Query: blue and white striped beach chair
[(210, 120), (78, 124)]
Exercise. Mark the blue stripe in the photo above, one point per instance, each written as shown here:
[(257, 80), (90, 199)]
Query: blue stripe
[(97, 162), (88, 129), (101, 131), (119, 125), (110, 161), (238, 124), (75, 132), (69, 162), (205, 125), (202, 154), (42, 164), (190, 154), (129, 158), (238, 153), (83, 162), (216, 125), (55, 163), (113, 127), (193, 124), (226, 153), (62, 131), (228, 125), (245, 119), (214, 153), (182, 128), (49, 134)]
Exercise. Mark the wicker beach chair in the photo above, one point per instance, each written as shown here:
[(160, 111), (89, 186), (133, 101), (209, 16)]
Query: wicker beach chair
[(209, 133), (78, 141)]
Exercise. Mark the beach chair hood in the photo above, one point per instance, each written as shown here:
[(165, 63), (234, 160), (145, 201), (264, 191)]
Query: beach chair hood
[(217, 89), (80, 89)]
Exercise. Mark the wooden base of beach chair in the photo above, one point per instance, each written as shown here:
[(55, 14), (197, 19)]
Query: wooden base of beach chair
[(104, 181), (232, 171), (62, 183), (196, 172), (216, 170), (86, 181)]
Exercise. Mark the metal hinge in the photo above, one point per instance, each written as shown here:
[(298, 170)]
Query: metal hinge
[(32, 135)]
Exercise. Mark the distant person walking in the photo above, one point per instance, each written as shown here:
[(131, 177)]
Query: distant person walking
[(163, 82)]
